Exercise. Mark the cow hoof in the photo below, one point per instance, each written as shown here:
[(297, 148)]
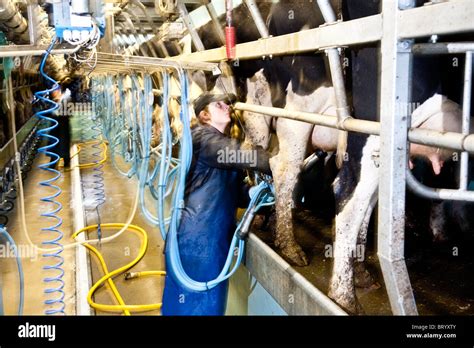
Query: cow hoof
[(350, 305), (363, 278), (294, 255)]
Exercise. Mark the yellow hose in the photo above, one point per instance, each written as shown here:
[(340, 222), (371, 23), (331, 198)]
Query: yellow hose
[(91, 164), (122, 307), (131, 275)]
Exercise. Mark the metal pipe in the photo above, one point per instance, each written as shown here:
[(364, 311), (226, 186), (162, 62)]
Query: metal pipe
[(355, 125), (190, 25), (215, 21), (32, 23), (450, 140), (337, 78), (257, 18), (395, 88), (335, 66), (443, 48), (466, 117), (436, 193), (30, 50)]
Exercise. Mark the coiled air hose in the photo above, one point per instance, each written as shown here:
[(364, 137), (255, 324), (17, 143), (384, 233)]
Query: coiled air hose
[(56, 304)]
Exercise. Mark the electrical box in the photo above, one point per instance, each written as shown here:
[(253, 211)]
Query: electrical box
[(73, 19)]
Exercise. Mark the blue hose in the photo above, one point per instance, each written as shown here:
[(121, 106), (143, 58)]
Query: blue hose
[(166, 149), (4, 232), (263, 196), (56, 303), (168, 176), (98, 176)]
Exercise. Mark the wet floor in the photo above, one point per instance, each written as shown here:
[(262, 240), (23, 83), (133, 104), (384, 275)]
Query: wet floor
[(441, 274), (33, 263), (120, 193)]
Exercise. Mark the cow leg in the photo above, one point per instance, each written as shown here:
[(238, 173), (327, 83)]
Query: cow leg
[(286, 165), (362, 277), (257, 127), (349, 222), (438, 221)]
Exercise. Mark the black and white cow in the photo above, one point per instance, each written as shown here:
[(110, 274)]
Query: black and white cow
[(356, 185)]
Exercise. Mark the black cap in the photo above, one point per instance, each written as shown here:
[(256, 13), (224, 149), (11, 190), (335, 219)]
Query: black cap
[(206, 98)]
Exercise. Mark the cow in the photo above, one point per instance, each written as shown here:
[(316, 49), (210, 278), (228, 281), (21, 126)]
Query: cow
[(356, 185)]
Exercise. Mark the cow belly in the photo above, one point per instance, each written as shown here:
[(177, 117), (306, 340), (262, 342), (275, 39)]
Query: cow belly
[(324, 138)]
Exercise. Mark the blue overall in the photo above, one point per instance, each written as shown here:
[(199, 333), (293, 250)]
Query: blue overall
[(214, 190)]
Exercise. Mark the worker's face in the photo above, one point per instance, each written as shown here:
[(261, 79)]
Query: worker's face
[(219, 112)]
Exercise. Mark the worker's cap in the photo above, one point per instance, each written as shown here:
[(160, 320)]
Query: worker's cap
[(206, 98)]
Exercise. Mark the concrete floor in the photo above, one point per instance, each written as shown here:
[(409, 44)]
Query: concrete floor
[(120, 192), (33, 263)]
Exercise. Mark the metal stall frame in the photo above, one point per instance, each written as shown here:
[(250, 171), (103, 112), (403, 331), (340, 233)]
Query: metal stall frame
[(395, 28)]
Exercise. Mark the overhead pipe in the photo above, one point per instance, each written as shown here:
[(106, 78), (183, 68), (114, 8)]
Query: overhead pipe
[(257, 18), (215, 21), (183, 12), (466, 118), (442, 48), (27, 50), (450, 140), (338, 83)]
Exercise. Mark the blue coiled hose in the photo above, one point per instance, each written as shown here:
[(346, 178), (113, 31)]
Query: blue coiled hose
[(4, 232), (57, 303), (98, 176)]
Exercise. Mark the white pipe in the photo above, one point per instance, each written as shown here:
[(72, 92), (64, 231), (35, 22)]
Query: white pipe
[(450, 140), (466, 117), (335, 66), (257, 18), (27, 50), (443, 48), (436, 193)]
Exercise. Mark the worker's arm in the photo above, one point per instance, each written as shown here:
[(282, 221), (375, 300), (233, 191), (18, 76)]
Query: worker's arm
[(220, 151)]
